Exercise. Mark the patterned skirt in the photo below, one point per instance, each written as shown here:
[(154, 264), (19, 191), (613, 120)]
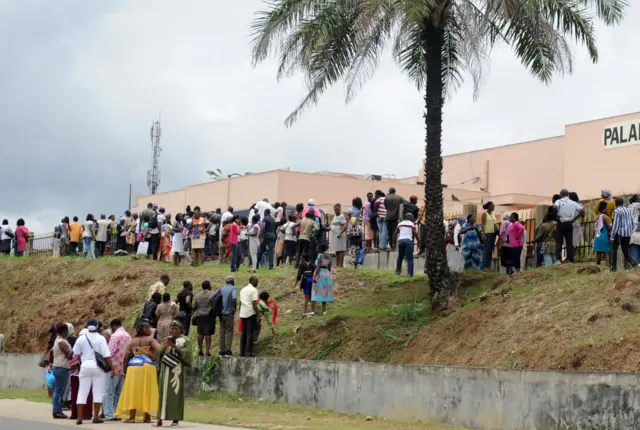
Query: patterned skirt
[(322, 290)]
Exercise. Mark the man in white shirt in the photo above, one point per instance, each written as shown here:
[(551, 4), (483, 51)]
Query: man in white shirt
[(249, 316), (568, 212), (406, 235), (260, 207), (101, 236), (456, 233)]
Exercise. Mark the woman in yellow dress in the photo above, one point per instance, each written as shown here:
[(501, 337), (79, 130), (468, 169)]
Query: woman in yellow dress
[(139, 398)]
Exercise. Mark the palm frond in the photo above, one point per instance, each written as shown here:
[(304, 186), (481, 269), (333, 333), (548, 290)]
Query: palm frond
[(610, 12), (409, 52)]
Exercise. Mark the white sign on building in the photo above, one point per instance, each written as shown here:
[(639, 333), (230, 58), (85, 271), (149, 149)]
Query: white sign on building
[(621, 135)]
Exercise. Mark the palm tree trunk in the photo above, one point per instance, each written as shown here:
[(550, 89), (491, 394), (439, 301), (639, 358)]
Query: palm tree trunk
[(441, 283)]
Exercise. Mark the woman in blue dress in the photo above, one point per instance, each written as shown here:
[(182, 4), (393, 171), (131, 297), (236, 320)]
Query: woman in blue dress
[(471, 244), (601, 244), (322, 290)]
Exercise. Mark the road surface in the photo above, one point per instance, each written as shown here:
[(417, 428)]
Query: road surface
[(24, 415)]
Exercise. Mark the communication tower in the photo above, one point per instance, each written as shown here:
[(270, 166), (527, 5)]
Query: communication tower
[(153, 175)]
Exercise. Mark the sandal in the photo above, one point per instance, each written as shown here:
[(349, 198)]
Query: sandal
[(175, 424), (129, 421), (98, 421), (157, 424)]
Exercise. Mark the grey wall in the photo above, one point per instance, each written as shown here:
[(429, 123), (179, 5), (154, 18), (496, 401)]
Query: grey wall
[(21, 371), (470, 397)]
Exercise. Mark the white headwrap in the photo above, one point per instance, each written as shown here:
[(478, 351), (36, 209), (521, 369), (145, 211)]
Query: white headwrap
[(311, 202), (71, 329), (606, 193)]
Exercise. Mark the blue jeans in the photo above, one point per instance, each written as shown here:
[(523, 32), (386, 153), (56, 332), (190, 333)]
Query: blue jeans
[(236, 256), (268, 245), (62, 379), (88, 250), (405, 250), (634, 251), (487, 254), (384, 235), (549, 259), (112, 391)]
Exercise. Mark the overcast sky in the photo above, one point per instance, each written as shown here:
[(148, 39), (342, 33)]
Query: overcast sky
[(81, 82)]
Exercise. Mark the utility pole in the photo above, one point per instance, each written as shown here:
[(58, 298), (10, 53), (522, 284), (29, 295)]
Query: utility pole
[(153, 175)]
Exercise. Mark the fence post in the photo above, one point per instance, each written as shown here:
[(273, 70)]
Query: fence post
[(469, 208), (541, 211)]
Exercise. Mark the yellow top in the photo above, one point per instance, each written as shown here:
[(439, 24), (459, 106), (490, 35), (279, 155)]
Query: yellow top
[(611, 206), (489, 223)]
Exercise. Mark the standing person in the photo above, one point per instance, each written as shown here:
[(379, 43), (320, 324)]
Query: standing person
[(166, 231), (278, 214), (568, 212), (546, 237), (305, 278), (205, 321), (322, 290), (578, 236), (308, 229), (159, 287), (166, 312), (490, 229), (174, 358), (64, 236), (406, 235), (119, 348), (75, 236), (92, 378), (290, 239), (623, 227), (269, 236), (634, 247), (185, 303), (354, 231), (234, 235), (243, 240), (22, 236), (516, 241), (472, 248), (102, 235), (393, 203), (139, 396), (198, 230), (503, 243), (603, 227), (6, 235), (249, 316), (381, 213), (264, 312), (254, 242), (155, 224), (338, 234), (229, 297), (149, 310), (131, 233), (367, 216), (177, 243), (606, 196), (62, 355), (121, 241), (88, 237)]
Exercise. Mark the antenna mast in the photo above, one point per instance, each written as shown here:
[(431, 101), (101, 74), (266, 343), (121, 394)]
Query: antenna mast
[(153, 175)]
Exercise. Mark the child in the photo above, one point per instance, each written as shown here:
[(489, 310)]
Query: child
[(546, 237), (305, 277), (263, 311), (322, 290)]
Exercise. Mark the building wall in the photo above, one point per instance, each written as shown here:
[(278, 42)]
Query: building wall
[(543, 167), (477, 398)]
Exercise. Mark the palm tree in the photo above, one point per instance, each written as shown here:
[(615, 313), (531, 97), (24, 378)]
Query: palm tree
[(434, 42), (215, 174)]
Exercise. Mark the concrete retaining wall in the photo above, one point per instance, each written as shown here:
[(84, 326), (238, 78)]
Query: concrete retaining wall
[(21, 372), (471, 397)]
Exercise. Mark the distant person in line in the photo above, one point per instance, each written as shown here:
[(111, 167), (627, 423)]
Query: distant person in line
[(308, 229), (603, 227), (198, 232), (253, 233), (623, 227), (229, 299), (516, 241), (490, 231), (22, 236), (119, 347), (159, 287), (546, 238), (421, 222), (578, 236), (75, 236), (63, 236), (269, 241), (89, 237), (369, 220), (249, 316), (322, 290), (406, 235), (606, 196), (177, 242), (185, 304), (290, 239), (234, 240), (393, 203), (121, 232), (204, 320), (101, 236), (174, 357), (339, 234), (6, 235), (166, 239), (306, 271), (634, 247), (355, 232), (92, 378), (568, 212), (380, 211), (166, 313), (61, 365), (472, 249)]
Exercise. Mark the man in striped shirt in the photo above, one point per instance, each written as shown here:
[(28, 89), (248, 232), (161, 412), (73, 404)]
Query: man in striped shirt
[(621, 235)]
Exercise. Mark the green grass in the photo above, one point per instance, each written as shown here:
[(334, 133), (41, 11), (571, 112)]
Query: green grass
[(234, 410)]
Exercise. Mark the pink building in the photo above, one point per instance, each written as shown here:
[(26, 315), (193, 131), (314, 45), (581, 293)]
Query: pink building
[(588, 157)]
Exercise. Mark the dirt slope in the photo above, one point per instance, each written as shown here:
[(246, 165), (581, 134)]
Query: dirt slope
[(543, 319)]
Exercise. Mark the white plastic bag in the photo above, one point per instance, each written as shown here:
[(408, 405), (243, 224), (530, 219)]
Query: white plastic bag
[(143, 248)]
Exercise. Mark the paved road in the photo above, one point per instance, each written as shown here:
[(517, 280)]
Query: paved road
[(24, 415)]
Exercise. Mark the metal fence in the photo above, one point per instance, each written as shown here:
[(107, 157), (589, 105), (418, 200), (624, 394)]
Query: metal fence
[(46, 245)]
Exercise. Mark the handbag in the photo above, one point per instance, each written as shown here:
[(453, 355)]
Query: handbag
[(143, 248), (100, 360), (170, 359)]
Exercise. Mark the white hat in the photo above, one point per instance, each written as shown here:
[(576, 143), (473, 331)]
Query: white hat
[(311, 202)]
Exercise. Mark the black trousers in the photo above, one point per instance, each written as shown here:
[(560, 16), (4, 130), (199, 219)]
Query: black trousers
[(623, 242), (303, 249), (154, 245), (73, 248), (564, 233), (246, 338), (392, 226), (100, 246)]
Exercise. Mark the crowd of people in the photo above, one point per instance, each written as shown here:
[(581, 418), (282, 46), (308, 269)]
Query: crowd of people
[(139, 375)]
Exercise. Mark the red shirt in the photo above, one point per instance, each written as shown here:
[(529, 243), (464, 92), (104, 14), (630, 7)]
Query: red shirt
[(234, 233)]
